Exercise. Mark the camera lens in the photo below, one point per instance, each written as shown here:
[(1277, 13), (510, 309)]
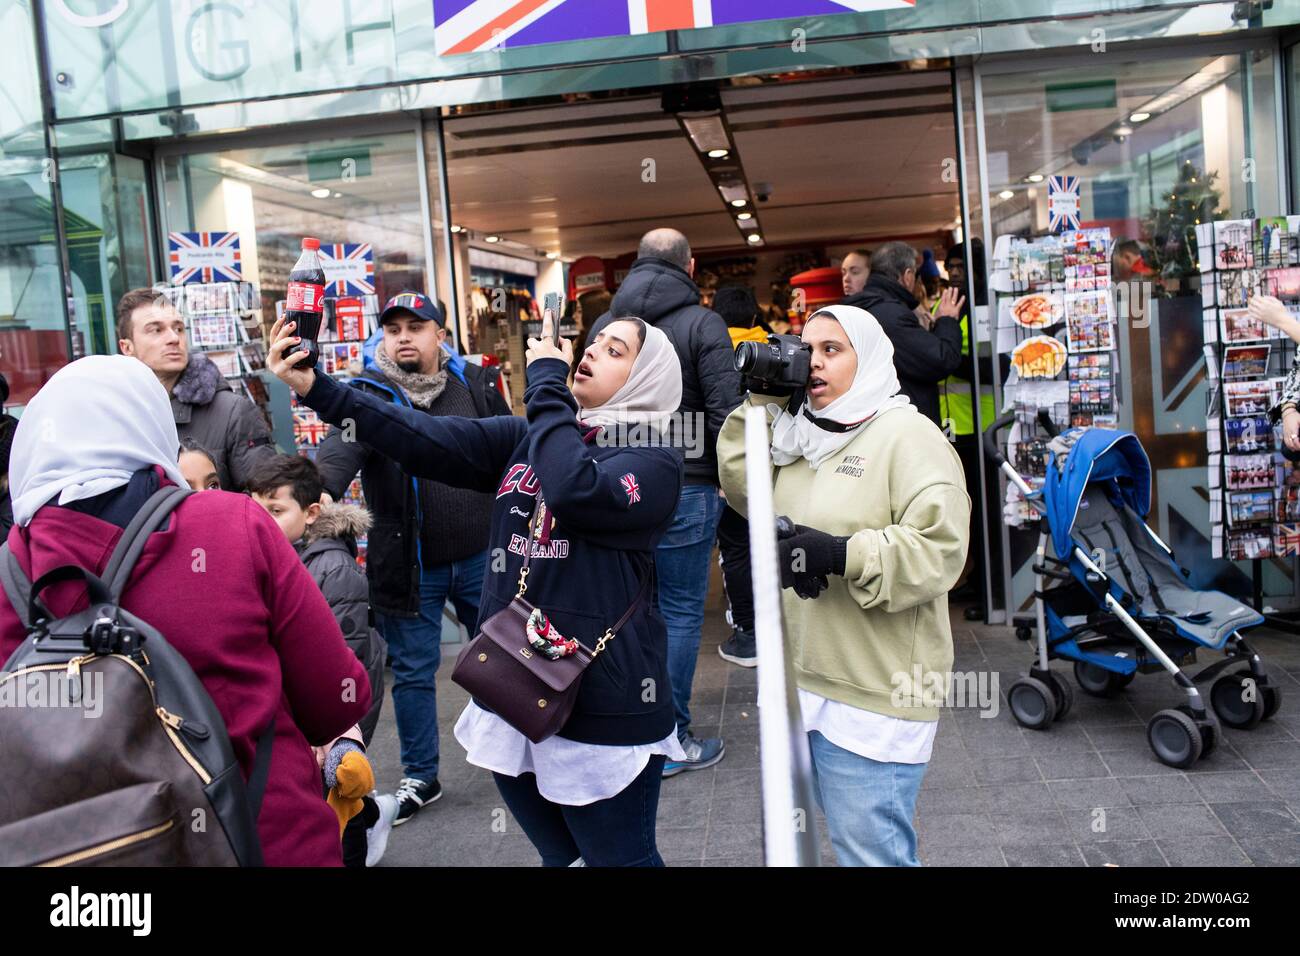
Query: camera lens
[(746, 357)]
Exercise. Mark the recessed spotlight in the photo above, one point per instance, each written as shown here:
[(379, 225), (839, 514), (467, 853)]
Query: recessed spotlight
[(491, 238), (321, 193), (718, 154), (457, 228), (338, 195), (739, 202), (1124, 130), (1006, 194), (1034, 178), (552, 255), (745, 216), (1139, 117), (755, 239)]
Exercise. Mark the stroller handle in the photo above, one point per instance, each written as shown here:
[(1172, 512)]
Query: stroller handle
[(990, 437)]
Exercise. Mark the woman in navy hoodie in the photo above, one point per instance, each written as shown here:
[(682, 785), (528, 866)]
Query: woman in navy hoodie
[(588, 795)]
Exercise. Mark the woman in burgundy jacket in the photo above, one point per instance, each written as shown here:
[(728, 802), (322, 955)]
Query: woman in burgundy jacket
[(220, 582)]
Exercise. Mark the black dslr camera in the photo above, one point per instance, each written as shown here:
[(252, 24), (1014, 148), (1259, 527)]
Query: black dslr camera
[(782, 361)]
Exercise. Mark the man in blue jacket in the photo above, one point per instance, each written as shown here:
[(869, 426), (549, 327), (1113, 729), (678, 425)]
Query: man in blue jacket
[(660, 289), (429, 540)]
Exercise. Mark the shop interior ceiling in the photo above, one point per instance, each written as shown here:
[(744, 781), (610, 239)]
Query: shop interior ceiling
[(843, 160)]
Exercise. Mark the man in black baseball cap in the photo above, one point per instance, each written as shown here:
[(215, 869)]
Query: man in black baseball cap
[(429, 541)]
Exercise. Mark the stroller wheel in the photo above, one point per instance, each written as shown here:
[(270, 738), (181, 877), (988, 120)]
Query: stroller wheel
[(1032, 703), (1272, 699), (1238, 700), (1098, 681), (1209, 731), (1175, 738), (1063, 693), (1024, 634)]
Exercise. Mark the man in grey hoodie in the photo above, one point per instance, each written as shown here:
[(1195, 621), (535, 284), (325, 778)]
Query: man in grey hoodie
[(204, 406)]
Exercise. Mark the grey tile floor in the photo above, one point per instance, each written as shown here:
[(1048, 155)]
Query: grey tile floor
[(1087, 792)]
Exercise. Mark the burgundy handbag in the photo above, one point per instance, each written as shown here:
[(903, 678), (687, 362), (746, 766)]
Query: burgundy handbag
[(529, 691)]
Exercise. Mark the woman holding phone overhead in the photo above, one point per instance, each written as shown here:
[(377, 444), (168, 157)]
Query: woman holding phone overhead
[(587, 514)]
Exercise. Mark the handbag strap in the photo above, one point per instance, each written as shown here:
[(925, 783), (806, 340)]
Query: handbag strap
[(627, 615), (538, 507)]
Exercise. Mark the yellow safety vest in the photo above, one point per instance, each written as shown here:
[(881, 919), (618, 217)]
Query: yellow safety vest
[(954, 395)]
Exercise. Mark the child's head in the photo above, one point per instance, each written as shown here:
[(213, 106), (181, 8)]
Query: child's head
[(198, 467), (289, 488)]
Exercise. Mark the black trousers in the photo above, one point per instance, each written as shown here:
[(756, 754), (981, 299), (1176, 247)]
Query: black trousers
[(733, 544)]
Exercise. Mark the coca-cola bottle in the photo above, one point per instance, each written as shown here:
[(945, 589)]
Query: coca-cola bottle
[(303, 305)]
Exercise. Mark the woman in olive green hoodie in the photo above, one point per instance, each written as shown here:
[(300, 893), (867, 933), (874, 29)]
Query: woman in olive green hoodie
[(881, 511)]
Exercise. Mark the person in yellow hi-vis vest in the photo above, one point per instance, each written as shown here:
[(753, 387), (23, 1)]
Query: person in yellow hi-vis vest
[(957, 417)]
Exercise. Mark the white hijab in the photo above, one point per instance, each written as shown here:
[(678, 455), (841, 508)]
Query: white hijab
[(875, 389), (652, 392), (90, 427)]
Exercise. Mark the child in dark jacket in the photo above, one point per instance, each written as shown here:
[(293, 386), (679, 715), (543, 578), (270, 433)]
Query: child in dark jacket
[(325, 537), (591, 470)]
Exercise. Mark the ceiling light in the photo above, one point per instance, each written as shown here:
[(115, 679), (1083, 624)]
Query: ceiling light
[(1034, 178), (1215, 72), (707, 132), (338, 195), (735, 193), (1124, 130), (492, 239), (1139, 117), (457, 228), (1006, 194), (738, 202), (552, 255), (321, 193), (718, 154), (745, 216), (755, 239)]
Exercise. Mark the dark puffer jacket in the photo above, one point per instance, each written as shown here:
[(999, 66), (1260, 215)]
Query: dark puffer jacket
[(227, 425), (329, 550), (922, 358), (663, 294)]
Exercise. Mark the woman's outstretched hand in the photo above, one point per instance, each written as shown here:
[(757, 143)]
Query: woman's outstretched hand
[(283, 366), (1291, 429), (543, 347), (1270, 311)]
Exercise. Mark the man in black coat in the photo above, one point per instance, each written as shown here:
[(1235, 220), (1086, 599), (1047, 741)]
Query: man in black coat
[(429, 540), (926, 349), (659, 289)]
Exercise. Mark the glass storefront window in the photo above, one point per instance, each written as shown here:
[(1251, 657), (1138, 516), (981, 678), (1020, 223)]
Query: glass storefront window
[(1157, 145), (362, 189)]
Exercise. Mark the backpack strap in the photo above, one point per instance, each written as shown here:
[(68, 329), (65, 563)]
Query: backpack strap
[(17, 586), (261, 772), (151, 516)]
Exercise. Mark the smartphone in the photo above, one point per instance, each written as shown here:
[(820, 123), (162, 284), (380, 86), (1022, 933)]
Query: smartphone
[(551, 302)]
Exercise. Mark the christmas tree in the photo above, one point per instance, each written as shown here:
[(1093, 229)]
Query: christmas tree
[(1192, 200)]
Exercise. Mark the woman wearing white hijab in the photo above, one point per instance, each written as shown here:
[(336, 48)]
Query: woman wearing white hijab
[(882, 524), (604, 488)]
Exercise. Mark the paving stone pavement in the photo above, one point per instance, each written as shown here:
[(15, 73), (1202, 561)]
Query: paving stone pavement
[(1087, 792)]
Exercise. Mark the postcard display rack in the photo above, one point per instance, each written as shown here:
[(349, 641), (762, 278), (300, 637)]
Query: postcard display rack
[(1055, 316), (223, 320), (347, 322), (1254, 490)]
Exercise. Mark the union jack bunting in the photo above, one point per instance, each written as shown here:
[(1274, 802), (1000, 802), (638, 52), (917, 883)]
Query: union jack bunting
[(204, 257), (349, 268), (467, 27)]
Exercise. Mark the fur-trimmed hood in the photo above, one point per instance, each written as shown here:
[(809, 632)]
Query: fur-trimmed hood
[(339, 520), (200, 381)]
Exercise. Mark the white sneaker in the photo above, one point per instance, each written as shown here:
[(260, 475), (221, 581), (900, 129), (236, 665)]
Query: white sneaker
[(377, 836)]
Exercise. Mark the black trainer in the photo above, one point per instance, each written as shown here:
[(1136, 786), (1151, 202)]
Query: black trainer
[(739, 649), (413, 794)]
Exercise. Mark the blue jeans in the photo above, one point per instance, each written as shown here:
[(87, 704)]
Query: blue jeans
[(619, 831), (415, 650), (868, 804), (682, 563)]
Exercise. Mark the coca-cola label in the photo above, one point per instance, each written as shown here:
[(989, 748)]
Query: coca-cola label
[(304, 297)]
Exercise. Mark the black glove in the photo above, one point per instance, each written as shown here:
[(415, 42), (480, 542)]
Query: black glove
[(807, 557)]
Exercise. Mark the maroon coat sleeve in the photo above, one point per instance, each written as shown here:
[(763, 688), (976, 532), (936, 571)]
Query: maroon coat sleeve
[(324, 682)]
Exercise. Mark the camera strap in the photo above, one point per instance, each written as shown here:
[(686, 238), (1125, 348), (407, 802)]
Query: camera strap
[(831, 426)]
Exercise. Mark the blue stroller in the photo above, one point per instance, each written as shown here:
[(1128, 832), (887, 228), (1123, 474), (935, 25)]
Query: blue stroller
[(1110, 597)]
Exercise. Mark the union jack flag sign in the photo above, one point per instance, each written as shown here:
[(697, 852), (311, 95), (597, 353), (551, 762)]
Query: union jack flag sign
[(349, 268), (1062, 203), (631, 487), (204, 257), (469, 26)]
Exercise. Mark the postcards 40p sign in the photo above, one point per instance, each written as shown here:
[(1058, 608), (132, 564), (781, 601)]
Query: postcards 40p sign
[(470, 26)]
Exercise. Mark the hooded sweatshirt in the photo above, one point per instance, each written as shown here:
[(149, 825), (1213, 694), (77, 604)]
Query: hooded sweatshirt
[(663, 295), (229, 426)]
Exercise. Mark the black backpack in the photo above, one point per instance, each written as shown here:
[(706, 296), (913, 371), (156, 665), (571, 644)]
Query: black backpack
[(151, 780)]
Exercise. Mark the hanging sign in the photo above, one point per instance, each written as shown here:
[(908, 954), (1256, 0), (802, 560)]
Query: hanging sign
[(204, 257), (1062, 203), (349, 268)]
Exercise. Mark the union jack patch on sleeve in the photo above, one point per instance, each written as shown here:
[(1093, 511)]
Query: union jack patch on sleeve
[(631, 487)]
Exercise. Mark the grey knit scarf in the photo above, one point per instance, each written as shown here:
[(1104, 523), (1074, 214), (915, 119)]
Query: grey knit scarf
[(421, 389)]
